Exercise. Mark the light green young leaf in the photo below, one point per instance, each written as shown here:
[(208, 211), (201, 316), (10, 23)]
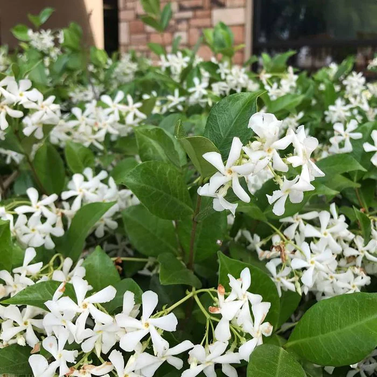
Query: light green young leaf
[(173, 271), (21, 32), (166, 16), (339, 331), (149, 234), (100, 270), (269, 360), (161, 188)]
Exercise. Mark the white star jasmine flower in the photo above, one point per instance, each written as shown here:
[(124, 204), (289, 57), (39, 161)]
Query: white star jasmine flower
[(368, 147), (204, 360)]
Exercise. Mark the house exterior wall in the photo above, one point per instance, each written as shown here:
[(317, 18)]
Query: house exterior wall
[(190, 17)]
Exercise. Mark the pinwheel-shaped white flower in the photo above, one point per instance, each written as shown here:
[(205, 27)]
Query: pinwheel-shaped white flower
[(230, 172), (21, 322), (344, 136), (86, 305), (362, 251), (124, 370), (368, 147), (138, 329), (114, 105), (55, 346), (204, 360), (280, 278), (312, 263), (38, 207), (147, 364), (256, 329), (27, 268)]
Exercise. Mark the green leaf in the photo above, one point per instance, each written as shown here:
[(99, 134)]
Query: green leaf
[(149, 234), (50, 169), (173, 272), (261, 283), (156, 48), (155, 144), (339, 331), (151, 6), (364, 224), (122, 287), (122, 168), (161, 188), (6, 246), (98, 57), (166, 16), (21, 32), (78, 157), (195, 147), (45, 14), (269, 360), (95, 265), (38, 74), (72, 37), (229, 118), (338, 164), (73, 242), (38, 294), (344, 68), (287, 102), (289, 302), (151, 21), (208, 233), (14, 360)]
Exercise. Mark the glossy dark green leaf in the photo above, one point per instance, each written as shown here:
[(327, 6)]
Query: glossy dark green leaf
[(229, 118), (49, 168), (174, 272), (14, 360), (149, 234), (122, 287), (269, 360), (122, 168), (100, 270), (161, 188), (339, 331), (78, 157), (38, 294), (6, 246), (73, 242)]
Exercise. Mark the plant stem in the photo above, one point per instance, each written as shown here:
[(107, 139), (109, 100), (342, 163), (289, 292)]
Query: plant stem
[(131, 259), (190, 264)]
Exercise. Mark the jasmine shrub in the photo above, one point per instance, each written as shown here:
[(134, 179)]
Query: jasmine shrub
[(184, 217)]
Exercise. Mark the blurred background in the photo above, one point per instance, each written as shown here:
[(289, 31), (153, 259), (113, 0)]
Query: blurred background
[(321, 31)]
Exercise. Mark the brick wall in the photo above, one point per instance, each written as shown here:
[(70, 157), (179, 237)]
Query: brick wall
[(189, 18)]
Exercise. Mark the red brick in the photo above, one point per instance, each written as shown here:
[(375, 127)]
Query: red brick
[(130, 4), (205, 52), (201, 22), (203, 14), (182, 26), (190, 4), (136, 27), (194, 35), (127, 15), (239, 34), (238, 58), (184, 15), (138, 39), (155, 38)]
